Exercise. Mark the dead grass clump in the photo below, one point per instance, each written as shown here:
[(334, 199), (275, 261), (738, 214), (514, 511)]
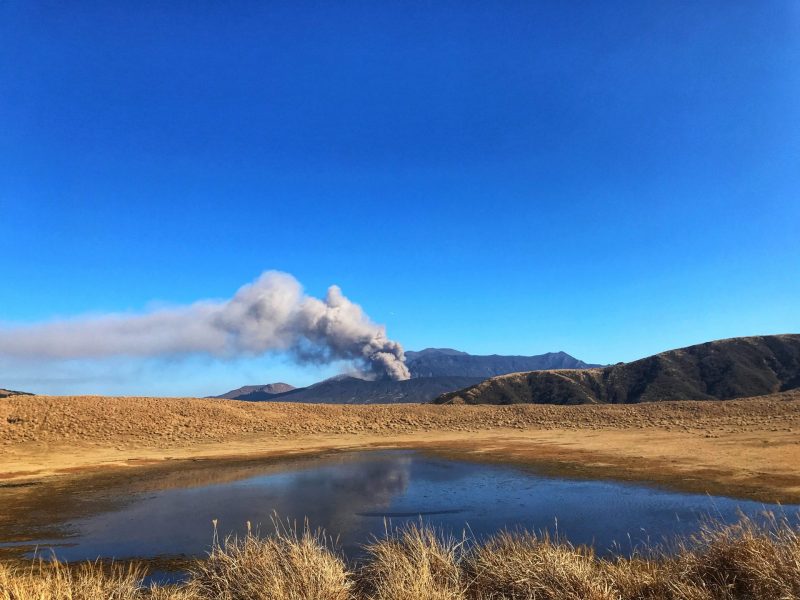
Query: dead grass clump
[(173, 592), (288, 565), (645, 579), (522, 565), (412, 563), (56, 581), (745, 560)]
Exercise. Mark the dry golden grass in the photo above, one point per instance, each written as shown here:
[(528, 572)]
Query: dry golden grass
[(522, 565), (742, 561), (414, 562), (55, 581), (745, 561), (172, 422), (288, 565)]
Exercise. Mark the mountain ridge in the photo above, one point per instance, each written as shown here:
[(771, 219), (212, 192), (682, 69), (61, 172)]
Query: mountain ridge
[(353, 390), (257, 392), (717, 370), (434, 371), (432, 362)]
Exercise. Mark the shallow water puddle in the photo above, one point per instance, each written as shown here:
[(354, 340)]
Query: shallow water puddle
[(353, 496)]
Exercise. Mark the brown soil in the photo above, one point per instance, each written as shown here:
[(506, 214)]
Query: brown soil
[(748, 448)]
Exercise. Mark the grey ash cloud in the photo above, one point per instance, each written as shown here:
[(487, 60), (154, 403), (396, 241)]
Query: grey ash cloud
[(272, 314)]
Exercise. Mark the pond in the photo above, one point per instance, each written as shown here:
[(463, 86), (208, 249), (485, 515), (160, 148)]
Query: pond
[(352, 496)]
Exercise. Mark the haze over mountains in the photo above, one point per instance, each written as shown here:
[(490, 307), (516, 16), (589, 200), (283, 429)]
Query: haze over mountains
[(434, 371), (719, 370)]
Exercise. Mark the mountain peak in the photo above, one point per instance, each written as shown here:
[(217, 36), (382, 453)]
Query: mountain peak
[(431, 351), (261, 390)]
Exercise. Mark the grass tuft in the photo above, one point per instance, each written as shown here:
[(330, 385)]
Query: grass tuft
[(745, 560), (43, 580), (523, 565), (288, 565), (412, 562)]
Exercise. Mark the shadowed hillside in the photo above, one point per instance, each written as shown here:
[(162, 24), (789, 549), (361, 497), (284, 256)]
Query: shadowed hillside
[(351, 390), (720, 370), (257, 392)]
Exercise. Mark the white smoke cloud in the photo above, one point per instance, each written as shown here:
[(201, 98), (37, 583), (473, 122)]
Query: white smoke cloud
[(271, 314)]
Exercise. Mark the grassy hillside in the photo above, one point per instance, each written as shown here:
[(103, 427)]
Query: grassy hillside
[(720, 370)]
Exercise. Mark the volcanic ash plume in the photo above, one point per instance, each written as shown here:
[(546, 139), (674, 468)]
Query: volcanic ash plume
[(270, 315)]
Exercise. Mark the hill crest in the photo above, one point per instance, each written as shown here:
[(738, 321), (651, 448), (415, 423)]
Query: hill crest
[(434, 362), (257, 392), (717, 370)]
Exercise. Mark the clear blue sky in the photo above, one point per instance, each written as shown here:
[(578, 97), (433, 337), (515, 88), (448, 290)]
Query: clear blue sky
[(611, 179)]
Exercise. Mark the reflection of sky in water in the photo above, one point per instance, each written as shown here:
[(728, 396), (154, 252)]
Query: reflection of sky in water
[(351, 494)]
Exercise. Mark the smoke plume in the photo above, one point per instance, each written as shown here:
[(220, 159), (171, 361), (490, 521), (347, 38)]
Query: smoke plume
[(271, 314)]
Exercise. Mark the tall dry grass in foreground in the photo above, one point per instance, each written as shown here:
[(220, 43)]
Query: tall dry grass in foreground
[(286, 565), (413, 562), (54, 581), (745, 561)]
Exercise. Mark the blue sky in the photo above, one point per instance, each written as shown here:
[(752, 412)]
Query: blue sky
[(611, 179)]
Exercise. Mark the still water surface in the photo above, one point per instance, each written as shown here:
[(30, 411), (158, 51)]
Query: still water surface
[(352, 495)]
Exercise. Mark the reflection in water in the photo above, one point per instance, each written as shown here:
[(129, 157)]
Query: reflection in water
[(352, 495), (329, 493)]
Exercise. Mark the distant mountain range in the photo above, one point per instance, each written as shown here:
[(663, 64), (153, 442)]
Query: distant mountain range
[(434, 371), (352, 390), (6, 393), (437, 362), (257, 392), (719, 370)]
